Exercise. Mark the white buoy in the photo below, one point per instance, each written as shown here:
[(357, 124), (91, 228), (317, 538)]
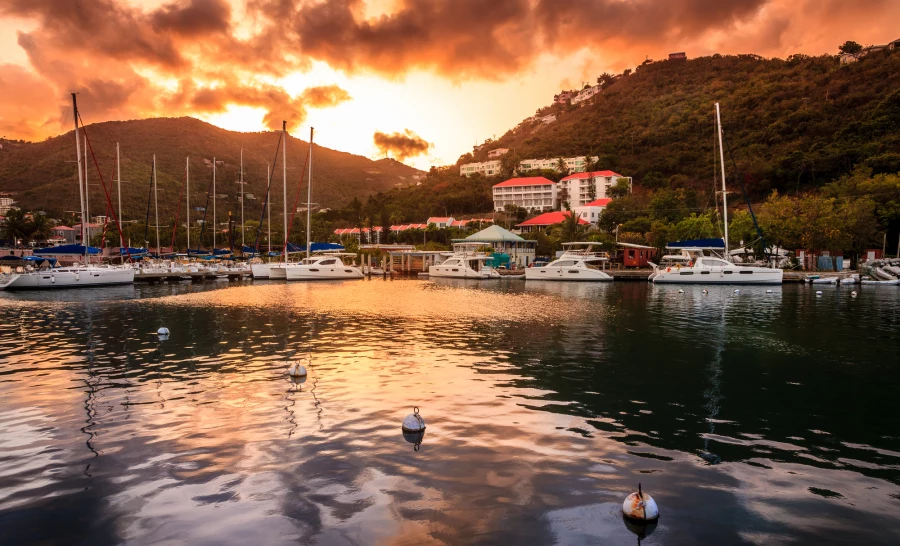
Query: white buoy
[(768, 291), (413, 422), (736, 291), (297, 370), (163, 331), (853, 294), (705, 291), (640, 507), (818, 292), (680, 291)]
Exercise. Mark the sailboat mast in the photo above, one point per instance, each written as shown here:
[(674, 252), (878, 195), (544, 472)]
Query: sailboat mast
[(309, 193), (80, 181), (214, 207), (156, 207), (187, 198), (724, 194), (242, 199), (284, 180), (119, 194), (269, 209), (87, 187)]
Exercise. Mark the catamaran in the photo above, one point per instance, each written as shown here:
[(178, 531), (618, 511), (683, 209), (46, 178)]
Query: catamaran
[(578, 262), (465, 263), (78, 275), (703, 266)]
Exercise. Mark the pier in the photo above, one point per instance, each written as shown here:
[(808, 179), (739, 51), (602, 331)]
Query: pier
[(193, 276)]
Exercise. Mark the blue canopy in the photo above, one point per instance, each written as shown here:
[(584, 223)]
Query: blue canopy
[(248, 250), (315, 247), (699, 243), (133, 251), (221, 251), (67, 249), (11, 258)]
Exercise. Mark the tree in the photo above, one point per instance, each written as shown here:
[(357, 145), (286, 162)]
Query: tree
[(16, 226), (561, 167), (571, 227), (509, 164), (41, 227), (605, 79), (850, 47), (619, 190), (592, 187)]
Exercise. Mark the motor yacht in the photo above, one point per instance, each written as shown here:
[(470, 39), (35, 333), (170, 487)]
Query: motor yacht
[(465, 262), (326, 266), (578, 262)]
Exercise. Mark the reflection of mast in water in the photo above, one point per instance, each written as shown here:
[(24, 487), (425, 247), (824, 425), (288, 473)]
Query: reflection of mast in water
[(713, 394), (91, 399)]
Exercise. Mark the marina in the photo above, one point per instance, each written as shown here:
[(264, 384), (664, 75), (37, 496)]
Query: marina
[(529, 392)]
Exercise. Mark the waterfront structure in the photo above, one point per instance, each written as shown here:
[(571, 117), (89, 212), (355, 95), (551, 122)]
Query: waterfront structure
[(535, 192), (546, 220), (584, 187), (487, 168), (591, 212), (519, 250)]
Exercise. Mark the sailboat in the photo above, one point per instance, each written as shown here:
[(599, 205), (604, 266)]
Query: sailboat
[(75, 276), (706, 269)]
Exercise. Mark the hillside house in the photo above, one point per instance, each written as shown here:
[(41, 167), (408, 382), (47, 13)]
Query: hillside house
[(590, 212), (487, 168), (573, 164), (542, 222), (563, 97), (497, 152), (440, 221), (680, 56), (534, 192), (586, 94), (578, 186)]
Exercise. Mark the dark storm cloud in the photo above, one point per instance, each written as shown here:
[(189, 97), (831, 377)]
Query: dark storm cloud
[(193, 18), (401, 145)]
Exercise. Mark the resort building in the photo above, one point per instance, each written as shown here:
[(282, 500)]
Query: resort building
[(539, 223), (590, 212), (487, 168), (498, 152), (534, 192), (573, 164), (578, 186), (6, 203), (439, 221)]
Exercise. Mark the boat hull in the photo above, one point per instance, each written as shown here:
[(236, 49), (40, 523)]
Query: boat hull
[(749, 275), (322, 273), (69, 278), (260, 271), (278, 272), (459, 272), (574, 274)]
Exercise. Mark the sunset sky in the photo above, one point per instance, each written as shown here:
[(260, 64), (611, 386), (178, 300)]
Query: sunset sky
[(378, 76)]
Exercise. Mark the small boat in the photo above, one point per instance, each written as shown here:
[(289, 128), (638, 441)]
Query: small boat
[(882, 275), (852, 279), (465, 263), (824, 280), (885, 283), (326, 266), (892, 269)]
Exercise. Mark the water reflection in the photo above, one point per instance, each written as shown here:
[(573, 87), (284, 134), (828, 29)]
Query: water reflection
[(547, 403)]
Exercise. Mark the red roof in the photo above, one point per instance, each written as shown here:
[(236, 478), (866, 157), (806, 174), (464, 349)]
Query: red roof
[(527, 181), (598, 203), (460, 223), (63, 228), (591, 174), (549, 218), (438, 220)]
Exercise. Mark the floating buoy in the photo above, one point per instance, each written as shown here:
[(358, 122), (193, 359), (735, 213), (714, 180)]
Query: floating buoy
[(736, 291), (768, 291), (680, 291), (818, 292), (413, 422), (163, 331), (640, 507), (297, 370), (705, 291), (853, 294)]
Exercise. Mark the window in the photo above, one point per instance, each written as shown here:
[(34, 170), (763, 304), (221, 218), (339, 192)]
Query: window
[(714, 262), (326, 262)]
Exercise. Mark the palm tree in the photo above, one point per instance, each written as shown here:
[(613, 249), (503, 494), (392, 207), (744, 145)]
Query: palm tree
[(571, 227), (16, 226), (40, 228)]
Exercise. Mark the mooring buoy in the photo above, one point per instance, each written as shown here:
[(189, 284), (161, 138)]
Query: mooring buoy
[(705, 291), (768, 291), (640, 506), (413, 422), (163, 331), (680, 291), (853, 294), (736, 291), (818, 292), (296, 370)]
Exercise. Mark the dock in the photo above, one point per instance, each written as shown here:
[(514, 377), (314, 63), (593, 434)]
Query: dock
[(193, 276)]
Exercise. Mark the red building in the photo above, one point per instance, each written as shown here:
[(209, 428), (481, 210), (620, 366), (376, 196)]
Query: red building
[(636, 255)]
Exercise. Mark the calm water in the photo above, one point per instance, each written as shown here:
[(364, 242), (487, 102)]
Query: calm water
[(754, 418)]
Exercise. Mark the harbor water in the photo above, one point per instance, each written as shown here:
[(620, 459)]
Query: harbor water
[(751, 418)]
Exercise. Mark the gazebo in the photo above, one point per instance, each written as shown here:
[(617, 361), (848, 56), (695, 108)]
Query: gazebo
[(521, 251)]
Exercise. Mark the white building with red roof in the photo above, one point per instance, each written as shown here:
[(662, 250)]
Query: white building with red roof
[(534, 192), (546, 220), (578, 186), (440, 221), (590, 212)]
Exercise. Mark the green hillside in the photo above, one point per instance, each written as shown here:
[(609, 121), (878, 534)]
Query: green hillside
[(792, 124), (42, 174)]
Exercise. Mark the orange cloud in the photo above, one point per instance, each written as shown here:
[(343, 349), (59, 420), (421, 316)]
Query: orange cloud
[(401, 145)]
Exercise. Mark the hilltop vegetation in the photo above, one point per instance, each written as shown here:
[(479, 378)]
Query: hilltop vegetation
[(42, 174)]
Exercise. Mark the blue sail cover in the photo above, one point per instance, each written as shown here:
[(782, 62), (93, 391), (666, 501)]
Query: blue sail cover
[(221, 252), (133, 251), (27, 259), (315, 247), (699, 243), (66, 249)]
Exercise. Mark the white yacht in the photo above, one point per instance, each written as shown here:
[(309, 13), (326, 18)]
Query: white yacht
[(75, 276), (702, 268), (578, 262), (465, 263), (326, 266)]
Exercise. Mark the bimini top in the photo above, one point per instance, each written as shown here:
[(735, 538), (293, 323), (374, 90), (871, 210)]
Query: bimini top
[(67, 249), (699, 244)]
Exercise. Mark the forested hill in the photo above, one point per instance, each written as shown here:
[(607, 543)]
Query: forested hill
[(792, 124), (42, 174)]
